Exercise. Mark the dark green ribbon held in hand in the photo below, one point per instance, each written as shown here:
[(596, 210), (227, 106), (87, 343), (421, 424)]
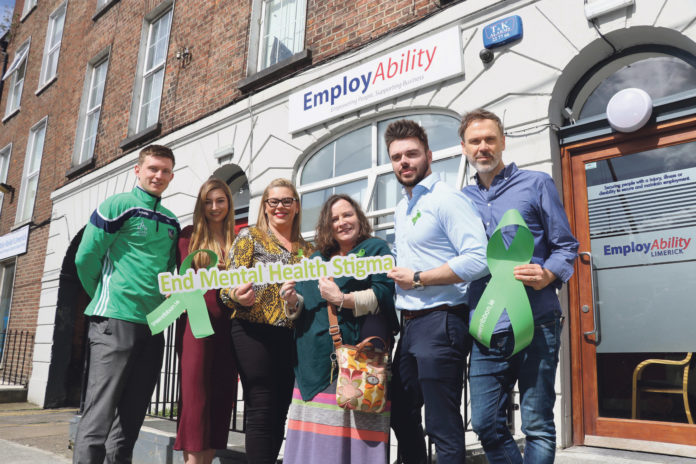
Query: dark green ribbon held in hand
[(192, 302), (503, 290)]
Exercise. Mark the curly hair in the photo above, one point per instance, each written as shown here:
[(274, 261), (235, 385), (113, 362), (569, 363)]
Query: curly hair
[(324, 238)]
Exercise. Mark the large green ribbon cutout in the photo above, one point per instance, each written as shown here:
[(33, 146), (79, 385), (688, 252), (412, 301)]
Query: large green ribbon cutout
[(192, 302), (503, 290)]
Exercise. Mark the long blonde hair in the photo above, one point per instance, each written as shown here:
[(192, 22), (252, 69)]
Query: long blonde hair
[(262, 221), (202, 236)]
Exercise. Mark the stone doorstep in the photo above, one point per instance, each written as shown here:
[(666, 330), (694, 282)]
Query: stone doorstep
[(13, 394)]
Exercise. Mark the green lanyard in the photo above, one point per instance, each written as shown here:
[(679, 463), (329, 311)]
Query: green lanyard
[(503, 290), (192, 302)]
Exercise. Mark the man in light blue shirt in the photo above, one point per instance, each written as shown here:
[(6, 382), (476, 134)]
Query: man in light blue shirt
[(440, 247)]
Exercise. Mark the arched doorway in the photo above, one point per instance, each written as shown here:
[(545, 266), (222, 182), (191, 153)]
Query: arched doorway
[(631, 198), (69, 335), (235, 178)]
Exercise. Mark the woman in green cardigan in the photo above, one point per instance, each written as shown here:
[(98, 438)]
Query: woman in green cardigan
[(319, 430)]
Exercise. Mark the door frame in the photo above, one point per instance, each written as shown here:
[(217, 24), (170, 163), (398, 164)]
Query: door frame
[(587, 426)]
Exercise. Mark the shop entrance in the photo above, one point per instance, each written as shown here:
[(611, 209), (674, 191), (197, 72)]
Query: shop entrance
[(632, 204)]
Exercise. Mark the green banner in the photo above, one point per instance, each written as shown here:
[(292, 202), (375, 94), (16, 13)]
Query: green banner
[(192, 302), (504, 292)]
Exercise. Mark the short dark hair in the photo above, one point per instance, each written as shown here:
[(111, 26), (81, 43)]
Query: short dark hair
[(155, 150), (478, 114), (326, 243), (405, 129)]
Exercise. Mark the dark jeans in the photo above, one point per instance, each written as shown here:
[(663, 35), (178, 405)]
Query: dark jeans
[(492, 377), (125, 362), (428, 369), (264, 357)]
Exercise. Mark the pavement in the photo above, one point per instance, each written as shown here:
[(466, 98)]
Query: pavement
[(33, 435)]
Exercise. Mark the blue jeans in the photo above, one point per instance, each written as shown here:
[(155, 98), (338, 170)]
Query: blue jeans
[(492, 377)]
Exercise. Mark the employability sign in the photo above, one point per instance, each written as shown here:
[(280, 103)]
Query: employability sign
[(429, 60)]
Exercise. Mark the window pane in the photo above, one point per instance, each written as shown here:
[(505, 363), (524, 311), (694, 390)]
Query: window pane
[(29, 197), (152, 91), (311, 207), (448, 169), (353, 151), (356, 190), (283, 31), (57, 34), (387, 192), (659, 76), (16, 95), (319, 166), (36, 150), (97, 86), (51, 65), (90, 136), (157, 41), (4, 163), (442, 130)]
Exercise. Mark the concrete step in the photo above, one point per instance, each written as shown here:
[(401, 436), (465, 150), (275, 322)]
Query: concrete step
[(13, 394)]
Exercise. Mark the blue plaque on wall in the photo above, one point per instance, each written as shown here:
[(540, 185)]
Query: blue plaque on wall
[(502, 32)]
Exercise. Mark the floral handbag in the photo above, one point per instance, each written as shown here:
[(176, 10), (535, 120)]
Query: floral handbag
[(362, 376), (363, 370)]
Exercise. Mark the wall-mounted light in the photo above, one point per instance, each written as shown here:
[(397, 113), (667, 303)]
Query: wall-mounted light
[(601, 7), (7, 188), (629, 109), (183, 55)]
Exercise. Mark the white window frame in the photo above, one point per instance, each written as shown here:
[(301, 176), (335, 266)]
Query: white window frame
[(52, 50), (258, 34), (28, 7), (29, 175), (5, 155), (378, 218), (135, 125), (16, 87), (88, 107)]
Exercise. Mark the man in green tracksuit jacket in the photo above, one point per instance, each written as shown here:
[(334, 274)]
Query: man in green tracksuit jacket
[(129, 239)]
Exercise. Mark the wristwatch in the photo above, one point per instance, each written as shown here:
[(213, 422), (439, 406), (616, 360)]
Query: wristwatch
[(417, 284)]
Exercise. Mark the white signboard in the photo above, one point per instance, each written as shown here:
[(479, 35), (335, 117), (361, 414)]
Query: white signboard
[(645, 220), (14, 243), (421, 63)]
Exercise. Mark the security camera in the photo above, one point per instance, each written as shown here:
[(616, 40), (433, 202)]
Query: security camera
[(486, 55)]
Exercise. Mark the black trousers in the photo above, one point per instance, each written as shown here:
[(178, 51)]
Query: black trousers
[(125, 363), (428, 368), (264, 357)]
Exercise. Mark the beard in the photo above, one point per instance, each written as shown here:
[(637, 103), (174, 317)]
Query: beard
[(485, 168), (420, 175)]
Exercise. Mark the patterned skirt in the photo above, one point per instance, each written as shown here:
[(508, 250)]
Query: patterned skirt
[(319, 431)]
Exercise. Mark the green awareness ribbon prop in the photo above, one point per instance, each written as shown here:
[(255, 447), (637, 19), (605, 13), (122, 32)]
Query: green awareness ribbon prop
[(503, 290), (192, 302)]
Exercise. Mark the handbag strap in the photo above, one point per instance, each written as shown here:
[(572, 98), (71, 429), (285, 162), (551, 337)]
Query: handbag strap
[(370, 340), (334, 329)]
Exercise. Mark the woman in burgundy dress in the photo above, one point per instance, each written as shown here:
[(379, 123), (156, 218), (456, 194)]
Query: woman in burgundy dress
[(208, 371)]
